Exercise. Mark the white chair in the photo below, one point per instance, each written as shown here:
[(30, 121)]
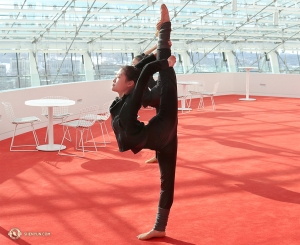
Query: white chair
[(209, 94), (102, 117), (183, 98), (86, 120), (184, 103), (20, 120), (195, 91), (60, 113)]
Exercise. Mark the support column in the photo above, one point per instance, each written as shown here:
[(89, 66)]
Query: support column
[(34, 75), (274, 62), (88, 67), (230, 61)]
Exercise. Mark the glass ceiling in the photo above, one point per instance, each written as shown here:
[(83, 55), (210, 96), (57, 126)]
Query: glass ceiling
[(128, 25)]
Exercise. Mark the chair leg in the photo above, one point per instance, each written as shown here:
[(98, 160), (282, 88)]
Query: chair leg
[(103, 137), (13, 138), (81, 139), (106, 133), (103, 131), (213, 102), (190, 101), (35, 136), (93, 138), (69, 135), (64, 137), (81, 142), (201, 103), (15, 146), (62, 141), (69, 139)]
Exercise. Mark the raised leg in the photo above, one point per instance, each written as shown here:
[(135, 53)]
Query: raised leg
[(162, 129)]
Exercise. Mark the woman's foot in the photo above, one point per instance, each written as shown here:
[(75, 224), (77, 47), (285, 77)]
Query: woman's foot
[(152, 160), (172, 60), (164, 16), (151, 234)]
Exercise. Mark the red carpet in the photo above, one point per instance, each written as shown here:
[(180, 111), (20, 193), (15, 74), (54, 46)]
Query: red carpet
[(237, 183)]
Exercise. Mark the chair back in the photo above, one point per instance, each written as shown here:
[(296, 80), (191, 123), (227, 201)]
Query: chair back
[(88, 116), (59, 110), (9, 111), (201, 86), (216, 88), (104, 110)]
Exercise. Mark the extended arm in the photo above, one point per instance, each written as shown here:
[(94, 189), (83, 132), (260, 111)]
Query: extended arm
[(147, 72), (150, 50)]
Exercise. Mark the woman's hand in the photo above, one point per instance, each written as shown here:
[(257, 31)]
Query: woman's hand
[(172, 60)]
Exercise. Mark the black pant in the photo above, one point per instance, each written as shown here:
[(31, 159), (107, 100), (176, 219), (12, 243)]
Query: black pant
[(162, 128)]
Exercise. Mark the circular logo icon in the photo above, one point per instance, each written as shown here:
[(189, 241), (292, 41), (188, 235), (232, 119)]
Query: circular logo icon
[(14, 233)]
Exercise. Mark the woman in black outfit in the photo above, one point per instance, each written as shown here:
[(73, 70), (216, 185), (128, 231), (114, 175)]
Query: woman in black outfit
[(160, 133)]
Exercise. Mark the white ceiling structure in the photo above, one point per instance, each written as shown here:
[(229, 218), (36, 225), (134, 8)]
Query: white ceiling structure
[(111, 26)]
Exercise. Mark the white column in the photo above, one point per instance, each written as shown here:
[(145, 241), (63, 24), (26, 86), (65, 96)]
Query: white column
[(274, 62), (35, 78), (230, 61), (186, 64), (88, 67)]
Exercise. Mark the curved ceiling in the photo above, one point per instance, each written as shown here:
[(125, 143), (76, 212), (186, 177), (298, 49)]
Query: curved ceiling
[(97, 24)]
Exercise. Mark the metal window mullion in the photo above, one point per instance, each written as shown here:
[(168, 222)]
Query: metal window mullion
[(18, 73), (215, 61), (258, 63), (72, 65), (45, 66), (298, 61)]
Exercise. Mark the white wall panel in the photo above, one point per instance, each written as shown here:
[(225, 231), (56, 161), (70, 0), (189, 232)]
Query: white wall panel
[(99, 92)]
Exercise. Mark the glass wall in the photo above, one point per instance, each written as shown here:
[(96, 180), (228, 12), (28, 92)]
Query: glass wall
[(179, 64), (289, 61), (259, 60), (54, 68), (207, 62), (14, 71), (107, 64), (57, 68)]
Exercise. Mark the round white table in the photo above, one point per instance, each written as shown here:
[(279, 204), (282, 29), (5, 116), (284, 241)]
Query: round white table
[(248, 69), (50, 103), (184, 84)]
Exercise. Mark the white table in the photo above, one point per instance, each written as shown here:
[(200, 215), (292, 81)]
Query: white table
[(50, 103), (184, 84), (248, 69)]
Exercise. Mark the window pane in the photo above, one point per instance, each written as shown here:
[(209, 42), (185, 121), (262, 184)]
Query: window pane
[(288, 61), (14, 71), (107, 64)]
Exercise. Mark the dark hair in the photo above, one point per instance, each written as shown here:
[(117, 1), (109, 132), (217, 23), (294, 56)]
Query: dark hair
[(139, 57), (131, 73)]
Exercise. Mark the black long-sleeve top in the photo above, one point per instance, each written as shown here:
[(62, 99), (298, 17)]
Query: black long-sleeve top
[(131, 134)]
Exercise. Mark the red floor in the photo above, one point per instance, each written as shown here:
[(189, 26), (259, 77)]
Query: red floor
[(237, 183)]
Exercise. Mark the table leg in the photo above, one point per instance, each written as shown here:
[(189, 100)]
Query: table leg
[(50, 146), (247, 87), (50, 127)]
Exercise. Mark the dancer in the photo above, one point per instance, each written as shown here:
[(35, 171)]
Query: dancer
[(160, 133)]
